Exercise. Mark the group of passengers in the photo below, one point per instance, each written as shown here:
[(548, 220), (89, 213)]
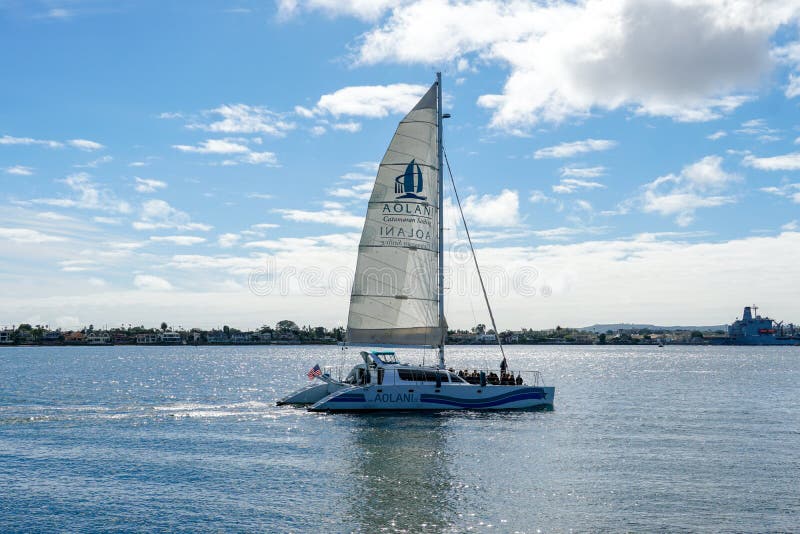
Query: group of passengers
[(504, 379)]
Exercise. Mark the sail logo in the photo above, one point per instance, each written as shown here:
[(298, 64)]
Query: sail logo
[(410, 183)]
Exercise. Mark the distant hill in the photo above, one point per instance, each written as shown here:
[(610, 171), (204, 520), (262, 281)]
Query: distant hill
[(600, 328)]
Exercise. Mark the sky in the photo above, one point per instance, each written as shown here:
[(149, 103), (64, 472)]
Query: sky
[(207, 163)]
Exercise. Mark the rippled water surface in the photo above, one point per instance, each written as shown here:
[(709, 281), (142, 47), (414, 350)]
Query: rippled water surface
[(189, 438)]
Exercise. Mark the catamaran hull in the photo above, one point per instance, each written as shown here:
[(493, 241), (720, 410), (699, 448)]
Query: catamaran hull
[(461, 397), (312, 394)]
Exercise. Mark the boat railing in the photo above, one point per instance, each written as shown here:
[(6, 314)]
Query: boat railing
[(494, 376)]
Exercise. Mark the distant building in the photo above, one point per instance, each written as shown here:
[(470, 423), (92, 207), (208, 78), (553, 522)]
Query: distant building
[(52, 337), (74, 337), (217, 337), (98, 338), (173, 338), (242, 337), (148, 338), (6, 337)]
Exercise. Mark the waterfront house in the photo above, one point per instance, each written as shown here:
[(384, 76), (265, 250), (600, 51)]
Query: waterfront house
[(172, 338), (6, 337), (98, 338), (147, 338)]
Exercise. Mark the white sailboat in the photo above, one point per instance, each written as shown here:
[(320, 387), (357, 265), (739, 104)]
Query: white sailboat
[(398, 292)]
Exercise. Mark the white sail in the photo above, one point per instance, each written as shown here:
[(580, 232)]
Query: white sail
[(395, 297)]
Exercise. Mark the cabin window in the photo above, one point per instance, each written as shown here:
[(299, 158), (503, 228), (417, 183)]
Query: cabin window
[(380, 376), (418, 375)]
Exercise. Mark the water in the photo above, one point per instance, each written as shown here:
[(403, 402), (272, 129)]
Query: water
[(188, 439)]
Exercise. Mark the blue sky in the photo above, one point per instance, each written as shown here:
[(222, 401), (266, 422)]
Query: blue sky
[(208, 162)]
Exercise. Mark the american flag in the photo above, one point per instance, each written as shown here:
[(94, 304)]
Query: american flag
[(314, 372)]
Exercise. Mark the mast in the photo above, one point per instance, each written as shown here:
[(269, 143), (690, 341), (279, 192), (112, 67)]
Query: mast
[(439, 177)]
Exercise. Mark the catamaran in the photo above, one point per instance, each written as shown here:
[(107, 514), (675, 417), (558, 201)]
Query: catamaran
[(397, 297)]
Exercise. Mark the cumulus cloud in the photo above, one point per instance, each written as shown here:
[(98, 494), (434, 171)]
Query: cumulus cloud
[(699, 185), (568, 150), (183, 240), (214, 146), (691, 60), (785, 162), (332, 214), (148, 185), (244, 119), (493, 210), (372, 101), (156, 214), (28, 236), (10, 140), (85, 144), (351, 126), (89, 196), (148, 282), (583, 172), (228, 240), (790, 191), (19, 170), (571, 185)]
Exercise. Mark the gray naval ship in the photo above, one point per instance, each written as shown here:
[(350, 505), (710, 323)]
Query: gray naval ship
[(752, 329)]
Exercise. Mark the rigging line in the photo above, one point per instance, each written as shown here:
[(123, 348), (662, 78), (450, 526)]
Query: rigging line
[(474, 257)]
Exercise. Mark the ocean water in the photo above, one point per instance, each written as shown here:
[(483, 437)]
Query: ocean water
[(189, 439)]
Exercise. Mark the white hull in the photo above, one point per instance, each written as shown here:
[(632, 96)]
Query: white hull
[(312, 394), (429, 397)]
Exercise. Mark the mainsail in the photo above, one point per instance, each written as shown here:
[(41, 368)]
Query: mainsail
[(395, 297)]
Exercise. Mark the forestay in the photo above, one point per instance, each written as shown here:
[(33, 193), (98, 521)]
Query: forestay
[(395, 294)]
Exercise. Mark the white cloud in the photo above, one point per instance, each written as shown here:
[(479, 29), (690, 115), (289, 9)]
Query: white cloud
[(793, 87), (148, 185), (78, 265), (719, 134), (318, 130), (262, 196), (699, 185), (138, 164), (147, 282), (790, 191), (9, 140), (85, 144), (183, 240), (692, 60), (333, 214), (90, 196), (107, 220), (538, 196), (570, 185), (372, 101), (58, 13), (95, 163), (228, 240), (351, 126), (359, 191), (27, 236), (19, 170), (785, 162), (489, 210), (567, 150), (265, 226), (245, 119), (791, 226), (583, 172), (261, 158), (157, 214), (96, 282), (214, 146)]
